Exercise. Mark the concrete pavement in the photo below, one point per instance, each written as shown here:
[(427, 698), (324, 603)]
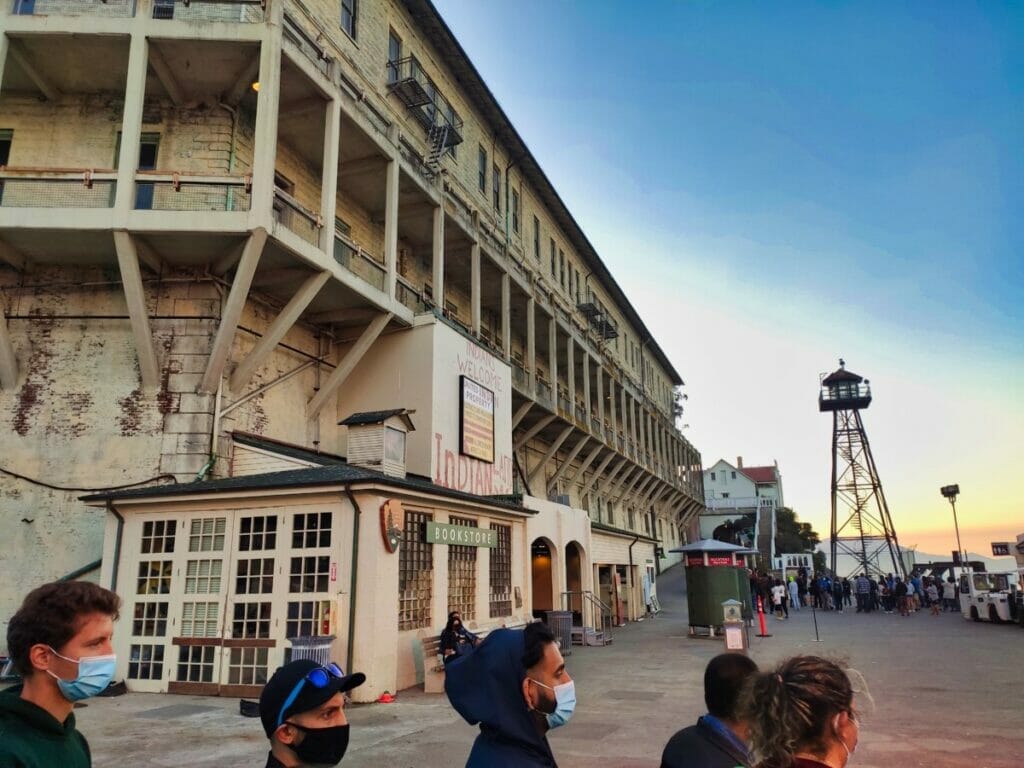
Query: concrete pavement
[(948, 693)]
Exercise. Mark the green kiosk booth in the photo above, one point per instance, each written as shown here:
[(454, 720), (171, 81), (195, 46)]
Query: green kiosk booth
[(715, 572)]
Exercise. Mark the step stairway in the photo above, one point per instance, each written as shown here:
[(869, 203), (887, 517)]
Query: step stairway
[(590, 637)]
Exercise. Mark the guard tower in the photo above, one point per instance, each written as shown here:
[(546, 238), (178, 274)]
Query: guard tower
[(861, 525)]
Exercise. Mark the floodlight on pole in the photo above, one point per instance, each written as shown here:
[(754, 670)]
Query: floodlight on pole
[(951, 492)]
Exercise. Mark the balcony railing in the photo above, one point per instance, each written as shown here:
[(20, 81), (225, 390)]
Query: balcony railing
[(162, 191), (544, 391), (409, 296), (316, 53), (359, 262), (426, 104), (289, 213), (57, 188), (246, 11), (108, 8), (520, 377)]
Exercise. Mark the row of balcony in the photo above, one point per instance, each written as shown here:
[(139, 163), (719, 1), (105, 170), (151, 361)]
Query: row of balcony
[(244, 11)]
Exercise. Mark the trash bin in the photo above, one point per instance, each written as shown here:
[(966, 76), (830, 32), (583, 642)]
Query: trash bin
[(316, 648), (560, 623)]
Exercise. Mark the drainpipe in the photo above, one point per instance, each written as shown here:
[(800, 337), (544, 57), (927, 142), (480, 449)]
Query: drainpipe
[(213, 434), (631, 586), (356, 514), (654, 532), (117, 545)]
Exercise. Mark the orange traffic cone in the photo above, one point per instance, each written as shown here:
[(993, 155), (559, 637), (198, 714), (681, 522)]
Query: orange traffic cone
[(386, 698)]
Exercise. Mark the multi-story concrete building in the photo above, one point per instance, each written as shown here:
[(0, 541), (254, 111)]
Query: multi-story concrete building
[(733, 491), (225, 228)]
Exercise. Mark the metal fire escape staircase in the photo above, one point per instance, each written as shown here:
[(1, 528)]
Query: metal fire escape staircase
[(408, 82)]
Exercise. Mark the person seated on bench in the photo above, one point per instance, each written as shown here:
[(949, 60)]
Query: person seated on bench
[(456, 639)]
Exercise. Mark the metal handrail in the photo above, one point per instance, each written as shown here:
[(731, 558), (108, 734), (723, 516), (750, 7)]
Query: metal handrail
[(597, 608)]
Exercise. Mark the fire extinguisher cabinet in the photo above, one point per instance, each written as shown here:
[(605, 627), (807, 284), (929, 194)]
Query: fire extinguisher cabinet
[(715, 572)]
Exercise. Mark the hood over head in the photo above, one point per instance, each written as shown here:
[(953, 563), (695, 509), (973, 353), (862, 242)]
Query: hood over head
[(486, 686)]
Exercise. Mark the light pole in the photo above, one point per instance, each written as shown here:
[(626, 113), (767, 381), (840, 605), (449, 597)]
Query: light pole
[(951, 492)]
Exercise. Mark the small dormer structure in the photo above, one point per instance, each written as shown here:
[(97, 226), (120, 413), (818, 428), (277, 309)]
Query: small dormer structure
[(377, 440)]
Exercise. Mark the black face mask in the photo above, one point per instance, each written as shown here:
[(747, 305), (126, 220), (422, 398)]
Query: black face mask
[(322, 746)]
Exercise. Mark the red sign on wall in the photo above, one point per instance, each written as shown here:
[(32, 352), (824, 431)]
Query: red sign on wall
[(695, 559), (719, 559)]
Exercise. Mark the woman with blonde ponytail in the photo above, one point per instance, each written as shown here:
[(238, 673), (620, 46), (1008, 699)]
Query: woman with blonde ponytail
[(801, 715)]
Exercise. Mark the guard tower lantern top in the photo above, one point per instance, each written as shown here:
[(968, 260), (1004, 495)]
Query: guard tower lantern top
[(844, 390)]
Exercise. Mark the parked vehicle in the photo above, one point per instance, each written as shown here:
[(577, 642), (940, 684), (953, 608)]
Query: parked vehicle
[(989, 596)]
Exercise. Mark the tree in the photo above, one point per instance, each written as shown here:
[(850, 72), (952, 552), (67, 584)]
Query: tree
[(792, 536)]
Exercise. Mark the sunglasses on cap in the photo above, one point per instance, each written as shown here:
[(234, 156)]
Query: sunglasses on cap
[(320, 677)]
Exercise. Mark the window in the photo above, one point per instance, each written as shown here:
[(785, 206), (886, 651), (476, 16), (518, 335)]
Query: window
[(154, 577), (255, 577), (195, 663), (725, 495), (348, 17), (515, 210), (247, 666), (561, 267), (415, 573), (256, 533), (308, 618), (24, 7), (310, 574), (570, 281), (252, 621), (632, 519), (207, 535), (578, 287), (149, 147), (394, 445), (200, 619), (202, 577), (394, 55), (536, 238), (150, 620), (157, 535), (496, 186), (501, 572), (311, 529), (554, 265), (712, 477), (146, 662), (6, 137), (462, 574), (733, 475), (481, 170)]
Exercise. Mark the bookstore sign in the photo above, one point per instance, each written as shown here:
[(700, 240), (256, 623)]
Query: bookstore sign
[(463, 535)]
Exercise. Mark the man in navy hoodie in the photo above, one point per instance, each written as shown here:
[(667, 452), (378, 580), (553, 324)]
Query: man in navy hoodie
[(516, 687)]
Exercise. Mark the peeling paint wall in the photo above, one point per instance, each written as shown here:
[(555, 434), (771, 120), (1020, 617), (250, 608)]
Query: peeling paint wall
[(80, 419)]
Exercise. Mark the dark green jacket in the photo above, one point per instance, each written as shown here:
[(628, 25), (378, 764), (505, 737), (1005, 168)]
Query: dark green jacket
[(30, 737)]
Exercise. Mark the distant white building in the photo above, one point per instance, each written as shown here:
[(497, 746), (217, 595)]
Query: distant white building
[(732, 491)]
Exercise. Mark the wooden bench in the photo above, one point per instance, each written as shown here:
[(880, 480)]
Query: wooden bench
[(433, 661)]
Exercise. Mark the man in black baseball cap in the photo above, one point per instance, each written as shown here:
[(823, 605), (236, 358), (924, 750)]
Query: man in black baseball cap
[(303, 712)]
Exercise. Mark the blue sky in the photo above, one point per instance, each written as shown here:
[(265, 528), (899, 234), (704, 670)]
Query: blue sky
[(800, 181)]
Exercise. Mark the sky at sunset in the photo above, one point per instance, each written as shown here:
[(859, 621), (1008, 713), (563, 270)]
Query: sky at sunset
[(801, 182)]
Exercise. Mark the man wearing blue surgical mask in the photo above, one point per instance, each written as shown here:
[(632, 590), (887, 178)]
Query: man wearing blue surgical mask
[(60, 643), (516, 687)]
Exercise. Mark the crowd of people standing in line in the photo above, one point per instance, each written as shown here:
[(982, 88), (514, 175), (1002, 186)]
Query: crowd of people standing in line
[(889, 593)]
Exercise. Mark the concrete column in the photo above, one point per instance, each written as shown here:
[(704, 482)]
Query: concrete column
[(135, 298), (8, 360), (4, 47), (391, 227), (506, 313), (586, 385), (531, 342), (553, 356), (570, 370), (438, 255), (474, 288), (265, 140), (131, 127), (329, 175)]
